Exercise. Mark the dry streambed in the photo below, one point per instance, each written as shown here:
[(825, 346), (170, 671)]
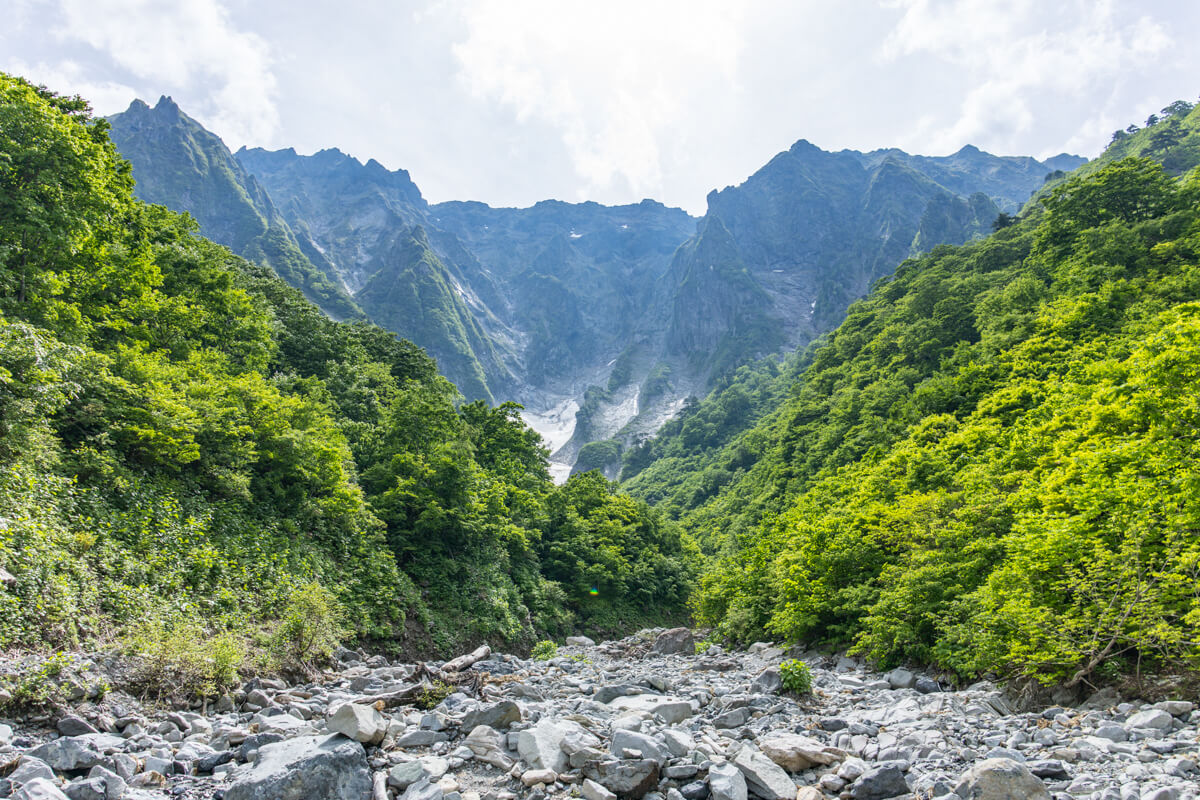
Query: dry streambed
[(643, 717)]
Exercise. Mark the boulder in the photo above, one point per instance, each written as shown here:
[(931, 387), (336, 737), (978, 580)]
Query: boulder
[(726, 782), (72, 725), (796, 753), (306, 768), (628, 778), (1153, 719), (39, 789), (1000, 779), (769, 681), (114, 784), (645, 746), (676, 640), (580, 641), (423, 790), (878, 783), (86, 789), (541, 746), (533, 777), (70, 753), (764, 778), (488, 746), (672, 710), (901, 678), (594, 791), (495, 715), (359, 722)]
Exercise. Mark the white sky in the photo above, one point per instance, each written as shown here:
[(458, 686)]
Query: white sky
[(513, 101)]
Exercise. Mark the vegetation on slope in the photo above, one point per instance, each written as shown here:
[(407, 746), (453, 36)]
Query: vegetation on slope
[(185, 439), (989, 465)]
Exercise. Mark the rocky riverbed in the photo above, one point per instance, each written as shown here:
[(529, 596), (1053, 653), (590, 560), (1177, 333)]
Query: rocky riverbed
[(643, 717)]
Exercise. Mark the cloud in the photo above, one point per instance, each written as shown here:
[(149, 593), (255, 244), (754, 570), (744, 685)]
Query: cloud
[(189, 46), (1019, 58), (613, 79), (70, 78)]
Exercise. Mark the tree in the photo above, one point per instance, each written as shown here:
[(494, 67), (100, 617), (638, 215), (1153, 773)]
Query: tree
[(1004, 220)]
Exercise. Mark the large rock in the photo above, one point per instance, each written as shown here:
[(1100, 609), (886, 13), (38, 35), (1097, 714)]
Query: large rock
[(726, 782), (886, 780), (359, 722), (676, 640), (306, 768), (1153, 718), (494, 715), (541, 746), (70, 753), (647, 747), (39, 789), (769, 681), (673, 710), (796, 753), (1000, 779), (627, 778), (580, 641), (901, 678), (764, 778), (488, 746)]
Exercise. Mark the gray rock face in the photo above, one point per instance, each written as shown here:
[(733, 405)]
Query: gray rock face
[(675, 641), (627, 778), (726, 782), (879, 783), (1000, 779), (359, 722), (306, 768), (495, 715), (764, 778)]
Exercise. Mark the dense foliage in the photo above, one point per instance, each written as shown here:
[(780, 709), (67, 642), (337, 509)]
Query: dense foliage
[(990, 465), (185, 438)]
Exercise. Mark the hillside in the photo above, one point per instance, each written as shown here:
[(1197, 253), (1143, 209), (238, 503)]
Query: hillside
[(986, 467), (194, 455)]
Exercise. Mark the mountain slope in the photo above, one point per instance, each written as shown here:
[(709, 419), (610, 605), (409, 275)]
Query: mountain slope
[(180, 165)]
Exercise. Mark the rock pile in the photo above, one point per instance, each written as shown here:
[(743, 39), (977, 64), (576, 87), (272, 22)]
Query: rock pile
[(644, 717)]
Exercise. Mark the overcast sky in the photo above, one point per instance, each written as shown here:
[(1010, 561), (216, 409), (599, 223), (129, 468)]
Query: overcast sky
[(513, 101)]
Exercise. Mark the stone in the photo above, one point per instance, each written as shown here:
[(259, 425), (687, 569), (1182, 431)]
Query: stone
[(495, 715), (404, 775), (901, 678), (675, 641), (1153, 719), (38, 789), (541, 746), (1051, 769), (1112, 732), (769, 681), (679, 742), (1000, 779), (74, 726), (1176, 708), (726, 782), (71, 753), (580, 641), (357, 721), (29, 768), (644, 745), (533, 777), (796, 753), (423, 790), (114, 784), (764, 778), (732, 719), (488, 746), (809, 793), (879, 782), (306, 768), (6, 734), (86, 789), (420, 738), (594, 791), (926, 685), (627, 778), (607, 694), (672, 710)]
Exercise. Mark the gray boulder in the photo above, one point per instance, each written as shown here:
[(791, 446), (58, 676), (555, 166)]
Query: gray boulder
[(624, 740), (541, 746), (726, 782), (306, 768), (627, 778), (495, 715), (764, 778), (1153, 719), (796, 753), (359, 722), (769, 681), (676, 640), (879, 783), (39, 789), (1000, 779), (70, 753), (72, 725), (901, 678)]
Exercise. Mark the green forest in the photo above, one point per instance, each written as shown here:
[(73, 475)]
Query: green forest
[(188, 443), (990, 465)]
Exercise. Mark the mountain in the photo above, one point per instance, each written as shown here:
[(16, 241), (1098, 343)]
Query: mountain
[(991, 453), (600, 320), (180, 165)]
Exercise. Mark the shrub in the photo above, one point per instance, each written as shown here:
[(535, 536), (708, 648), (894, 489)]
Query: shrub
[(544, 650), (432, 695), (183, 660), (311, 629), (796, 676)]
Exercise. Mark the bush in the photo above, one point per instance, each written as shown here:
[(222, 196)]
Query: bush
[(311, 629), (183, 660), (796, 676), (544, 650)]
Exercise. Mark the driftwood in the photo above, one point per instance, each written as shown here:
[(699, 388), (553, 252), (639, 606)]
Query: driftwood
[(379, 786), (462, 662)]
